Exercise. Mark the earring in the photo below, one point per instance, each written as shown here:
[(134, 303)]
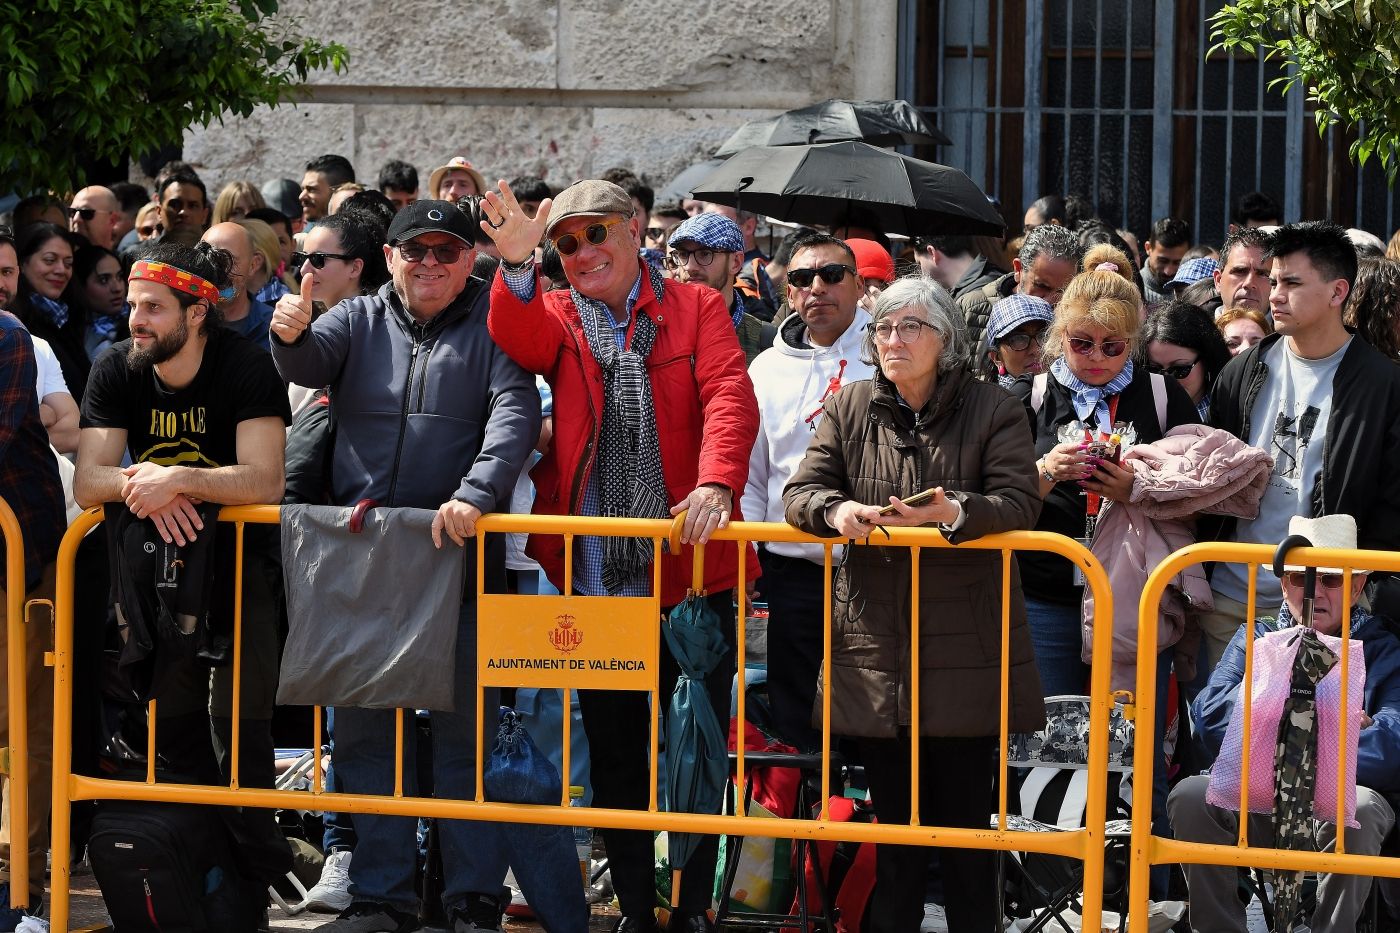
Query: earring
[(1001, 369)]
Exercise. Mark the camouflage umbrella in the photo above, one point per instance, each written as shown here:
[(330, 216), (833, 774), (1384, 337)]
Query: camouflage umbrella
[(1295, 755)]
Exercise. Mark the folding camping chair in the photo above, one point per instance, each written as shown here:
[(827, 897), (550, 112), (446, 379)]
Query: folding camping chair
[(1051, 793)]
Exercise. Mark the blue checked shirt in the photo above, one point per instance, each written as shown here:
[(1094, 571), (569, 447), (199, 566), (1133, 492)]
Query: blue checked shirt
[(588, 549)]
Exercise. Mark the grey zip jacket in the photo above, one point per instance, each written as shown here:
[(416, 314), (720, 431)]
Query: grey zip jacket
[(423, 412)]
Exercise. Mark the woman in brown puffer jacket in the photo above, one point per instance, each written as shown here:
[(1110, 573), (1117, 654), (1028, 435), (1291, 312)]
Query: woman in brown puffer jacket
[(922, 421)]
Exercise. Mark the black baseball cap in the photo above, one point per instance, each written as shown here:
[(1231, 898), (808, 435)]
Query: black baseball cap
[(431, 217)]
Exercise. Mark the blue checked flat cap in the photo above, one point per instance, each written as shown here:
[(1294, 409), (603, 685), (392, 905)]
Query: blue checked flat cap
[(1014, 310), (1192, 271), (712, 231)]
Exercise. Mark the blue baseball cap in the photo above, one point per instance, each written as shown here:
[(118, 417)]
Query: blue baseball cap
[(712, 231), (1192, 271), (1014, 310)]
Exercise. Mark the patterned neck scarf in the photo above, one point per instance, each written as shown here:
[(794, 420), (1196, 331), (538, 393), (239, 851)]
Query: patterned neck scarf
[(630, 482), (55, 311), (105, 326), (1092, 401), (1295, 768), (736, 313)]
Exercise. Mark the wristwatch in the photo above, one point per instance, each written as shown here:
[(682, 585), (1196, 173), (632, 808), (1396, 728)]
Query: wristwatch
[(1040, 465)]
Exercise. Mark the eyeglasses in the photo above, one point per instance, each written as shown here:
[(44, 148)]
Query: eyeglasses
[(1021, 341), (87, 213), (656, 233), (1299, 578), (1086, 347), (445, 253), (910, 329), (831, 273), (151, 229), (1177, 372), (318, 260), (569, 243), (677, 258)]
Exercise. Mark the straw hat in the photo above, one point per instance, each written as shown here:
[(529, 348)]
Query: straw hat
[(1329, 531)]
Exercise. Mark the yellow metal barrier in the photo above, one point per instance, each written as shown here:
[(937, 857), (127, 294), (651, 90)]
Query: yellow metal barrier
[(1149, 850), (1086, 844), (16, 763)]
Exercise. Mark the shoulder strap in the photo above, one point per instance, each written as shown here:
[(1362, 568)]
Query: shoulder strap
[(1038, 385), (1159, 398), (766, 333)]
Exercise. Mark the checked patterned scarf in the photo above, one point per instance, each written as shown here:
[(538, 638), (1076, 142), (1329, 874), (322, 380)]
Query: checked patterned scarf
[(1295, 769), (630, 483)]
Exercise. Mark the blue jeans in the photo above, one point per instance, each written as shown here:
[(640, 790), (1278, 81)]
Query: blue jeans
[(1058, 639), (473, 855), (339, 827)]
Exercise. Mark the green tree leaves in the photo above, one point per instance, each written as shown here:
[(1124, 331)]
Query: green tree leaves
[(1345, 53), (109, 79)]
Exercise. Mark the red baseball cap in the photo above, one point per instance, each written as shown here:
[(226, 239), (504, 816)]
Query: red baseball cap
[(873, 261)]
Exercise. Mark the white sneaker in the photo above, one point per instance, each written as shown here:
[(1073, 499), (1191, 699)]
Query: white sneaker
[(935, 919), (331, 894)]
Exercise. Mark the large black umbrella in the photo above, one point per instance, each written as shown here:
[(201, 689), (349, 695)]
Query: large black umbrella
[(818, 184), (879, 122)]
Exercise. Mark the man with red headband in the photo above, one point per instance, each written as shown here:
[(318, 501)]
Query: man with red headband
[(202, 413)]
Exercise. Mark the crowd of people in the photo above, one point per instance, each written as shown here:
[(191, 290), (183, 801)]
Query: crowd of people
[(463, 348)]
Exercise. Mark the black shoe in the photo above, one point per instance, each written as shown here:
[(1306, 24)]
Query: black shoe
[(478, 912), (641, 924), (685, 922)]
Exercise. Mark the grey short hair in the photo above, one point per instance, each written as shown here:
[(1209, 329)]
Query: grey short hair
[(1050, 240), (927, 296)]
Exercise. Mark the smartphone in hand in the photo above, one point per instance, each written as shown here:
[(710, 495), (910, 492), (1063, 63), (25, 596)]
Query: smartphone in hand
[(919, 498)]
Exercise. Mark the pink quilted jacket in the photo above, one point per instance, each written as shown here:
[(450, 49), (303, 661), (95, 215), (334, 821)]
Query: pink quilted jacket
[(1194, 470)]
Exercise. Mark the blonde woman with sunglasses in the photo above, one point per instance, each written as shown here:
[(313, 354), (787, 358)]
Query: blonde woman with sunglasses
[(1088, 377)]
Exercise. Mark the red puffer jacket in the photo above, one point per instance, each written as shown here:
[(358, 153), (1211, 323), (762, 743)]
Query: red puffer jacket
[(706, 414)]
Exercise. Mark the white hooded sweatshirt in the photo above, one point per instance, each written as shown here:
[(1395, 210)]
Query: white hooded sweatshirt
[(792, 379)]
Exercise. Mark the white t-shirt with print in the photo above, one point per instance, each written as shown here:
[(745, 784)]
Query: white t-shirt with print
[(1289, 421)]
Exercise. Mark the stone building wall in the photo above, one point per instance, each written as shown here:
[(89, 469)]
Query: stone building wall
[(561, 88)]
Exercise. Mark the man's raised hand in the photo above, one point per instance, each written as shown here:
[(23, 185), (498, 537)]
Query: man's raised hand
[(515, 233), (293, 312)]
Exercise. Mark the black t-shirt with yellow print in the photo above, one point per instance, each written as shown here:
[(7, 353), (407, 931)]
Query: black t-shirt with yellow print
[(196, 426)]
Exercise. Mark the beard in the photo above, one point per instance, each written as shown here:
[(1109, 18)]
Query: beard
[(162, 349)]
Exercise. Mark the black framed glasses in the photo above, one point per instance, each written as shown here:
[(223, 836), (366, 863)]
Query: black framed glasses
[(677, 257), (1299, 579), (445, 253), (1178, 372), (569, 243), (910, 330), (1021, 341), (318, 260), (1086, 347), (831, 273)]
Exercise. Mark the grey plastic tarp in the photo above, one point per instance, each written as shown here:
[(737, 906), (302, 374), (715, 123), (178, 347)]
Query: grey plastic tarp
[(372, 616)]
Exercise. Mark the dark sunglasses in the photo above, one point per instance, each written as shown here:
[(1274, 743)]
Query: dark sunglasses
[(1110, 348), (318, 260), (831, 273), (444, 253), (569, 243), (1019, 342), (1299, 579), (656, 233), (1178, 372), (87, 213), (151, 229)]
